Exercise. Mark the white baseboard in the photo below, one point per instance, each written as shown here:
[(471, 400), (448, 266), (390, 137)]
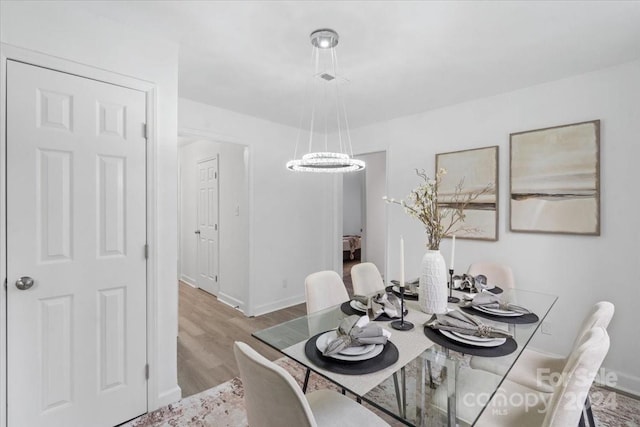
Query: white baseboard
[(231, 301), (188, 280), (278, 305), (167, 397), (629, 384)]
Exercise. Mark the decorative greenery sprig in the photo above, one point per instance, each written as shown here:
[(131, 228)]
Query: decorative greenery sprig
[(440, 219)]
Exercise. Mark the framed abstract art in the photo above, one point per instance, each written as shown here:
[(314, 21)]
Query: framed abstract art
[(471, 171), (555, 180)]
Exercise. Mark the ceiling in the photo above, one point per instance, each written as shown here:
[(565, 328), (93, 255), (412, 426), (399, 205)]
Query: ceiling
[(399, 58)]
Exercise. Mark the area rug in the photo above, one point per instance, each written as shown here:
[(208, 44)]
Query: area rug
[(223, 405)]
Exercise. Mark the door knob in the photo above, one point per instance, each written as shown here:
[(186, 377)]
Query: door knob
[(197, 231), (24, 283)]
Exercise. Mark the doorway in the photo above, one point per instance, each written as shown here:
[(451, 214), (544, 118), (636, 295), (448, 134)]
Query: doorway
[(364, 221), (213, 172), (206, 156)]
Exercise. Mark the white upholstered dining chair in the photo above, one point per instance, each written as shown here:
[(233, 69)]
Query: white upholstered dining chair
[(324, 289), (497, 274), (366, 279), (517, 405), (533, 368), (274, 399)]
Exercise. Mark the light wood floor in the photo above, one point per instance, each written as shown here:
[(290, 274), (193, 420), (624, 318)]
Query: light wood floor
[(208, 328)]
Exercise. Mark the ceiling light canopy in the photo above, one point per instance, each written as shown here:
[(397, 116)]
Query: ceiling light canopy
[(326, 114), (324, 39)]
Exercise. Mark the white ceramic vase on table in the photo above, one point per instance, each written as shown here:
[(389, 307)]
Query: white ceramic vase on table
[(432, 295)]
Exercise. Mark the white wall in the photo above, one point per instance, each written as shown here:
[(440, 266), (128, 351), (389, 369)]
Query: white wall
[(233, 220), (59, 29), (581, 270), (352, 193), (290, 227)]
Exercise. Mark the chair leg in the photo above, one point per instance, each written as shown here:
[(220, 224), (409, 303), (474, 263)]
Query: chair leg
[(589, 412), (404, 392), (586, 417), (398, 395), (306, 381), (431, 384), (581, 422)]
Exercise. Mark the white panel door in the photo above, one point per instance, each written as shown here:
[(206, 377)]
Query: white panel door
[(76, 224), (207, 233)]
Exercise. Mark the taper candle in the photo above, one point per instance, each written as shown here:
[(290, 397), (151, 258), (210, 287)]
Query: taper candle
[(453, 251), (401, 261)]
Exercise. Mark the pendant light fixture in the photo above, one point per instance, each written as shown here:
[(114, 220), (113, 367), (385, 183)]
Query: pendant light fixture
[(327, 115)]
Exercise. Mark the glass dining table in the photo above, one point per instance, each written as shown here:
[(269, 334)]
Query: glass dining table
[(421, 387)]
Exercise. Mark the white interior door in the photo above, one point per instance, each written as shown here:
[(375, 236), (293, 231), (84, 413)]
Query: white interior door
[(76, 224), (207, 233)]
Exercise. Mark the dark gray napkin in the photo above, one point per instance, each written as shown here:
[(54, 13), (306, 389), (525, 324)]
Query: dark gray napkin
[(462, 323), (410, 288), (381, 303), (493, 301), (355, 331)]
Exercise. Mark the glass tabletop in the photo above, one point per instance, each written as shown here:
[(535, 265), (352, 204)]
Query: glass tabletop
[(420, 388)]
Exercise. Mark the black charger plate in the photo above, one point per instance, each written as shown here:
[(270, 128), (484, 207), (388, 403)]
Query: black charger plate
[(388, 357), (502, 350)]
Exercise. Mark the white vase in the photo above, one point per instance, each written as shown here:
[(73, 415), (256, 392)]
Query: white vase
[(432, 295)]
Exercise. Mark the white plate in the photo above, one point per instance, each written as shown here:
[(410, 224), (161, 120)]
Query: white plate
[(406, 290), (497, 311), (324, 339), (357, 305), (471, 337), (495, 342), (355, 351)]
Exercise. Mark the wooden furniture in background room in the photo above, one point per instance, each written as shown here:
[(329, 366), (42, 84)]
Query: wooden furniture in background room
[(351, 247)]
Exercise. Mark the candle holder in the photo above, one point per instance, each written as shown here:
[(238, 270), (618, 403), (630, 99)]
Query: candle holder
[(401, 325), (451, 297)]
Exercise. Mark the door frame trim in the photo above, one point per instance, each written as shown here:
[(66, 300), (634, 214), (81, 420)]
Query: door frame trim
[(338, 199), (245, 305), (15, 53)]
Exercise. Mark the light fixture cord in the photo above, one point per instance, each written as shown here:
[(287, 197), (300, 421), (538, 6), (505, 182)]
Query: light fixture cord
[(325, 109), (346, 126), (334, 63), (340, 101), (316, 51), (303, 110)]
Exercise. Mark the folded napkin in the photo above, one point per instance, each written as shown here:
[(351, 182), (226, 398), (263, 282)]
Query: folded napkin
[(381, 303), (471, 283), (457, 321), (415, 281), (354, 331), (489, 300)]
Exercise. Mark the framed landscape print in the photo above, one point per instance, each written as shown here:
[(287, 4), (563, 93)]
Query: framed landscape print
[(555, 180), (471, 171)]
